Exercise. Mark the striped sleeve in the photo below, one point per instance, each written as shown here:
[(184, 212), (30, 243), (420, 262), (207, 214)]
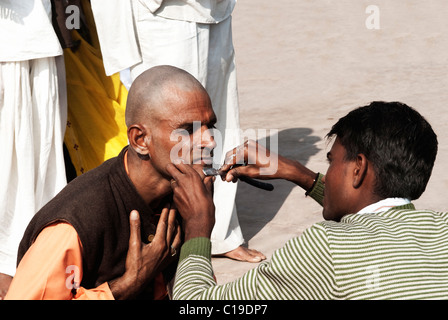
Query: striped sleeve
[(317, 192), (302, 269)]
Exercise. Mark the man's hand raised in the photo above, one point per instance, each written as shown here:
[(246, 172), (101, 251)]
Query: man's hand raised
[(145, 261), (193, 198)]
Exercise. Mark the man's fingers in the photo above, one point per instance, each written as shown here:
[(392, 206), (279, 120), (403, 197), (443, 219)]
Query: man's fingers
[(231, 160), (232, 175), (193, 169), (239, 156), (198, 168), (177, 241), (172, 224), (135, 237), (208, 182), (166, 227), (173, 171), (178, 171), (161, 229), (168, 231)]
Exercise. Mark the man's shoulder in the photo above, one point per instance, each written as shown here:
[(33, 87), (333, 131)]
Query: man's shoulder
[(414, 215), (95, 176), (376, 224), (84, 197), (85, 190)]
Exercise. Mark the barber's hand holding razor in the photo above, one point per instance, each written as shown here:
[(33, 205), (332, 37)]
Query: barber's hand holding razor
[(253, 160)]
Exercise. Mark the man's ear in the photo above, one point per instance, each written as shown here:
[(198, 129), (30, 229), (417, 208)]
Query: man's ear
[(139, 139), (360, 170)]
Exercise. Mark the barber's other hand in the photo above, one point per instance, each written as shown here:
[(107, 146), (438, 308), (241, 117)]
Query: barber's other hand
[(251, 160), (193, 198), (145, 261)]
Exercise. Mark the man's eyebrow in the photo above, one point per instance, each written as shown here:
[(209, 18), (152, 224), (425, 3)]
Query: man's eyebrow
[(187, 125)]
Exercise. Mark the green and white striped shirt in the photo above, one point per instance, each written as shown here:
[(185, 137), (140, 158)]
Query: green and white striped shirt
[(401, 253)]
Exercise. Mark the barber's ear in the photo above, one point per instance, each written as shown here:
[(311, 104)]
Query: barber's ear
[(360, 170), (139, 139)]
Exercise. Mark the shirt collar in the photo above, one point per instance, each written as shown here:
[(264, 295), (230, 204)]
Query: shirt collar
[(384, 205)]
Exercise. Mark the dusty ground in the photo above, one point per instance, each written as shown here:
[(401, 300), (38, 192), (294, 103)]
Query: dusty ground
[(304, 64)]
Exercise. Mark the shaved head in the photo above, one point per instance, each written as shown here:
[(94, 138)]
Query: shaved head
[(165, 105), (169, 116), (151, 92)]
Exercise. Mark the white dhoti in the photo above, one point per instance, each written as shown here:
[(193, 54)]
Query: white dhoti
[(32, 125), (206, 51)]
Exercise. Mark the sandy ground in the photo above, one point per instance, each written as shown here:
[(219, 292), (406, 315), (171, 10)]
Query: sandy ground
[(304, 64)]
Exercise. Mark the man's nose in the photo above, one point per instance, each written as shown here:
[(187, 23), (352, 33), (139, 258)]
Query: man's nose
[(208, 139)]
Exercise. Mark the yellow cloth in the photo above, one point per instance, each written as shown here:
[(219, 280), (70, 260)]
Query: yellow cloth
[(96, 129)]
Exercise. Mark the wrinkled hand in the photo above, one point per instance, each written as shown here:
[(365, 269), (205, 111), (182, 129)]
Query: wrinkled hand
[(193, 198), (145, 261), (250, 160)]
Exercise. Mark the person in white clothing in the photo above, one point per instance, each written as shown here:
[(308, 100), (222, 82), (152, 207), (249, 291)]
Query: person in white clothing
[(195, 36), (32, 121)]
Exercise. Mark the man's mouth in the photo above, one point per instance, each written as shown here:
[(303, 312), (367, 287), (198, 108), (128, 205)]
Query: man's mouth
[(204, 161), (205, 157)]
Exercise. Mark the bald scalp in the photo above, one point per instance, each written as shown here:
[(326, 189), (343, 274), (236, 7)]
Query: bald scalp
[(149, 93)]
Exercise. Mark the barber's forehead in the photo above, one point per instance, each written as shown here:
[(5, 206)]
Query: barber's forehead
[(337, 147)]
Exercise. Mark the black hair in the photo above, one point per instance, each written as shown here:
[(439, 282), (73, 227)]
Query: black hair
[(397, 140)]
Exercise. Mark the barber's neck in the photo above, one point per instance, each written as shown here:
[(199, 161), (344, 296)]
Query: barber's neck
[(150, 184), (365, 198)]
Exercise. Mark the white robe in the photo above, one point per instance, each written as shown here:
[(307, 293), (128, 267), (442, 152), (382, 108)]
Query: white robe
[(32, 119)]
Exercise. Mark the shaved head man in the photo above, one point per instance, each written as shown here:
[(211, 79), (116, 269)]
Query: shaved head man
[(111, 233), (162, 101), (167, 99)]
